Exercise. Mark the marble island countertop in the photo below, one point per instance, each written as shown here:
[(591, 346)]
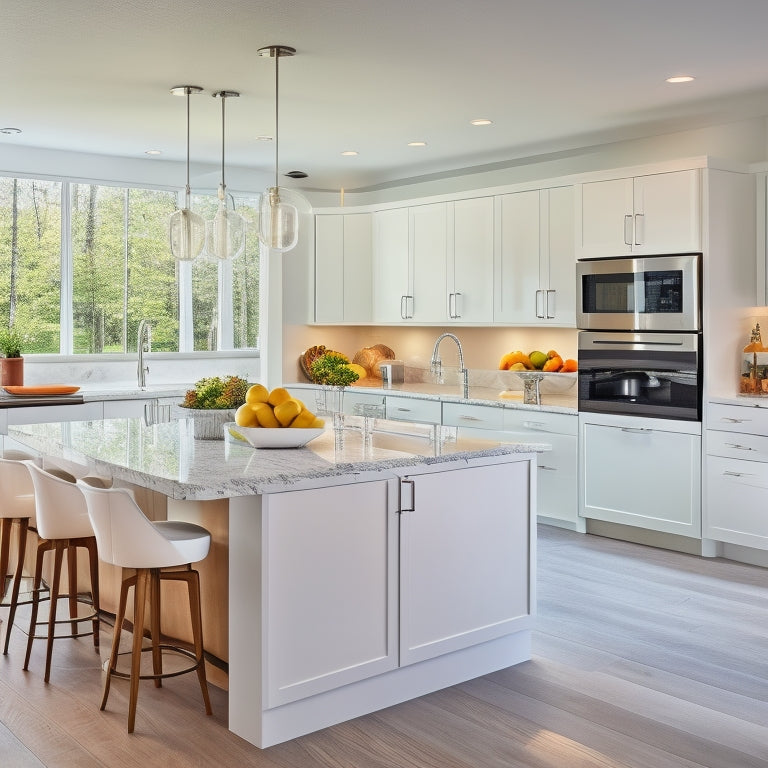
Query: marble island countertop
[(166, 457)]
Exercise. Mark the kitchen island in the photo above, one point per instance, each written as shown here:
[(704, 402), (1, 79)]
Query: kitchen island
[(361, 571)]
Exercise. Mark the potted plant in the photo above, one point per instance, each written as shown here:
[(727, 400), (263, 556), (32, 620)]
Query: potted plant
[(213, 402), (332, 372), (12, 370)]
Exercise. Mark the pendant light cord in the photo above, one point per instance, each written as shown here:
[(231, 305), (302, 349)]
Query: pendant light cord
[(223, 185), (277, 110), (188, 91)]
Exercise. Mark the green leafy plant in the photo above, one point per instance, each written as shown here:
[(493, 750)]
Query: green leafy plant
[(11, 342), (333, 370), (215, 393)]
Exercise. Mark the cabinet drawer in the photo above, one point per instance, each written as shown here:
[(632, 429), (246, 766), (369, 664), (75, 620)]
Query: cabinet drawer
[(737, 418), (477, 416), (737, 445), (541, 421), (412, 409), (363, 403), (735, 502)]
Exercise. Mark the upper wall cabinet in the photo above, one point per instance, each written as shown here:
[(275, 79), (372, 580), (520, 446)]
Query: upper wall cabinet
[(535, 267), (343, 259), (659, 213), (434, 263)]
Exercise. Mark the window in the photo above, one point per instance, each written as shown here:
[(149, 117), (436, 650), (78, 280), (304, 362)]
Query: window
[(106, 248), (123, 270), (30, 259)]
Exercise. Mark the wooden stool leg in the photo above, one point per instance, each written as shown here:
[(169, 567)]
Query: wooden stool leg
[(23, 526), (154, 626), (72, 586), (37, 581), (119, 619), (6, 526), (139, 601), (93, 559), (58, 556), (193, 586)]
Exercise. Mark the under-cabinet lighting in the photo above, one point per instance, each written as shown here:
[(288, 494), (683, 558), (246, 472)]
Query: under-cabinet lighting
[(350, 153), (417, 143), (680, 79), (481, 121)]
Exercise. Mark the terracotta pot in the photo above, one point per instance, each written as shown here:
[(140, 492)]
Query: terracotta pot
[(12, 371)]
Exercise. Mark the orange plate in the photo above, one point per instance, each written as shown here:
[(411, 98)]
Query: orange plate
[(44, 389)]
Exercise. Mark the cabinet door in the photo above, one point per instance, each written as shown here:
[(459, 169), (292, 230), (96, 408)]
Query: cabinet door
[(429, 247), (329, 588), (641, 476), (470, 262), (392, 290), (517, 262), (358, 249), (667, 213), (558, 264), (465, 555), (329, 268), (604, 227), (735, 509)]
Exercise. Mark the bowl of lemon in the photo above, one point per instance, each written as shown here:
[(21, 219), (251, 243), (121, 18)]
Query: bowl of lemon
[(273, 419)]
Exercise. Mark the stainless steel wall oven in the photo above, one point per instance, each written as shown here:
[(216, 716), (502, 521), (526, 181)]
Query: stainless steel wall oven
[(654, 375)]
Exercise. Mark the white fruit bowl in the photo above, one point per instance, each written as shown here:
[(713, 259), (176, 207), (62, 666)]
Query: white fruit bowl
[(263, 437)]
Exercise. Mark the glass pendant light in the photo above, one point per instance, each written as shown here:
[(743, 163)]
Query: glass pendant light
[(227, 228), (278, 219), (186, 228)]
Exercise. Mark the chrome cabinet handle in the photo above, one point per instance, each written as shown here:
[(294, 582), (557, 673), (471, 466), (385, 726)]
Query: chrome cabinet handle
[(637, 430), (470, 418), (456, 310), (403, 300), (548, 469), (403, 410), (730, 473), (740, 447), (540, 304), (730, 420), (412, 508), (534, 424), (639, 228), (552, 304), (628, 229), (451, 303)]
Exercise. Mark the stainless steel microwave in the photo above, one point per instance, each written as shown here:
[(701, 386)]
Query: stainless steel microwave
[(653, 293)]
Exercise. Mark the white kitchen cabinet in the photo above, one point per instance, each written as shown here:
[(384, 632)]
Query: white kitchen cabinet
[(434, 263), (343, 267), (535, 267), (654, 214), (330, 588), (414, 410), (392, 283), (736, 475), (557, 468), (641, 472), (470, 261), (463, 534), (429, 248)]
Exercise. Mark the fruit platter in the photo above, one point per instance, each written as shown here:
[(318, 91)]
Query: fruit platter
[(555, 373)]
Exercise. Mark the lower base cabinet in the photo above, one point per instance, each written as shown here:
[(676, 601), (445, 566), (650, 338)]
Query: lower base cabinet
[(641, 472), (354, 596)]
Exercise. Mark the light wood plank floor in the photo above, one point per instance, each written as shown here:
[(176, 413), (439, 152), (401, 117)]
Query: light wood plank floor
[(642, 658)]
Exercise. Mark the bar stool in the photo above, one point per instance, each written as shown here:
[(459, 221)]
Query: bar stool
[(128, 539), (17, 505), (63, 525)]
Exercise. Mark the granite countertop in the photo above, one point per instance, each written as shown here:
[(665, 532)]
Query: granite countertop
[(167, 458), (561, 402)]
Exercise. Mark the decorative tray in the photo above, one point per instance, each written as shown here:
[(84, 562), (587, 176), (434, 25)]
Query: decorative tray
[(42, 389)]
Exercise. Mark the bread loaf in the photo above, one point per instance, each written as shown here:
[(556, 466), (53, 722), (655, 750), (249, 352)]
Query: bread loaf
[(370, 357)]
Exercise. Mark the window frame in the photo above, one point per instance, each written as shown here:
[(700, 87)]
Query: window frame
[(225, 326)]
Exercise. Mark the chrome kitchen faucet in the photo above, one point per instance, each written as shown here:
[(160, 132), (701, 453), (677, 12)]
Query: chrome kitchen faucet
[(435, 365), (143, 344)]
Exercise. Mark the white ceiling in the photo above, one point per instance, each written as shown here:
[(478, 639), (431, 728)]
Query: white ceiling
[(372, 75)]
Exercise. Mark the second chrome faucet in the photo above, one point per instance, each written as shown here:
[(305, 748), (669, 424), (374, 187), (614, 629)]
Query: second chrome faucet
[(436, 364)]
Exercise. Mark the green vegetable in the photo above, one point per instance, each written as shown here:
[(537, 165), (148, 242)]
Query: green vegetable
[(214, 393), (332, 370)]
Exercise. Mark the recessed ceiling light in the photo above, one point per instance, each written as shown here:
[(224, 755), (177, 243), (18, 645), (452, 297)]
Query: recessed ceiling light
[(350, 153), (10, 131), (153, 152), (680, 79), (417, 143), (481, 121), (297, 174)]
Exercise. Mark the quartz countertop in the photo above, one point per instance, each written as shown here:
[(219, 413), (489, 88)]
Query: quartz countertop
[(478, 395), (166, 457)]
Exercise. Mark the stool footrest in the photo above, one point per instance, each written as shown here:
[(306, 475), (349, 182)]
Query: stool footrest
[(160, 675)]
